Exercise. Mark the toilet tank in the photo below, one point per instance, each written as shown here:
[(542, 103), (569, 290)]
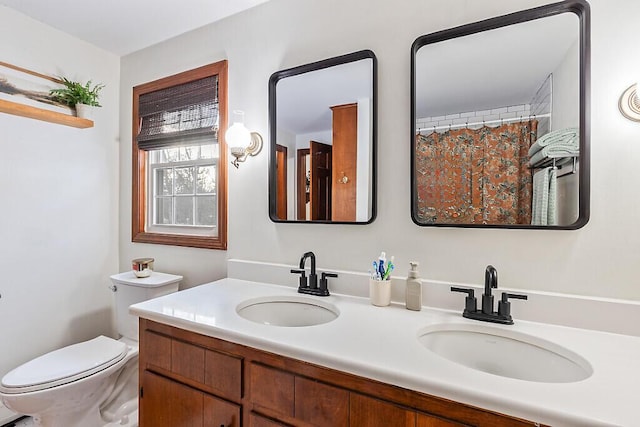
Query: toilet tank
[(129, 289)]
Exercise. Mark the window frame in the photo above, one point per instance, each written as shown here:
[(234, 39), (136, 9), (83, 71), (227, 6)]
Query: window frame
[(139, 208)]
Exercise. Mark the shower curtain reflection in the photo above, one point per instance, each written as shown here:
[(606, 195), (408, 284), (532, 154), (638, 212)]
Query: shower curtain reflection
[(475, 176)]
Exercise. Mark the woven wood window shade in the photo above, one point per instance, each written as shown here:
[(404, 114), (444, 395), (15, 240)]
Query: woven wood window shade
[(185, 114)]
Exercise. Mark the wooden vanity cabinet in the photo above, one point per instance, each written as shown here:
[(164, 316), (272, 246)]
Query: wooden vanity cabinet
[(188, 379)]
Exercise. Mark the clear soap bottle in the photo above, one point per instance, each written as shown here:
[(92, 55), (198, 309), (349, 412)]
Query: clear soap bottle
[(413, 289)]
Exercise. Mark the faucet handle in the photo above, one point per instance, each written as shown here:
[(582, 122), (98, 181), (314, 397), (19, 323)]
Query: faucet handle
[(504, 306), (303, 277), (324, 288), (470, 302)]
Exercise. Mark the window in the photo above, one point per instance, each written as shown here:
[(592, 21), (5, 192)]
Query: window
[(179, 161)]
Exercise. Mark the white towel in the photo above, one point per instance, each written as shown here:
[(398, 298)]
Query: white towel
[(540, 200), (544, 205), (552, 211), (568, 138), (553, 152)]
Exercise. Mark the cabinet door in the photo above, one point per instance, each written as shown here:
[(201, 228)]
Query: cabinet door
[(219, 413), (153, 409), (370, 412), (256, 420), (167, 403), (425, 420)]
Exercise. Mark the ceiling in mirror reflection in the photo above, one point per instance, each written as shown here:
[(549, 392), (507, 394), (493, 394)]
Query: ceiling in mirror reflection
[(494, 68), (303, 99)]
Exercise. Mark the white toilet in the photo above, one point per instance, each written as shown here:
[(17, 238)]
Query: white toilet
[(92, 383)]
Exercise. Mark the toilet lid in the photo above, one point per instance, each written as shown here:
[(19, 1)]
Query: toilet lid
[(65, 365)]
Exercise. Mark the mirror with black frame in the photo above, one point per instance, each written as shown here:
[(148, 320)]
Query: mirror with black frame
[(499, 121), (322, 119)]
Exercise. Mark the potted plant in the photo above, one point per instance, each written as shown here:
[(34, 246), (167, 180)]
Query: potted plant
[(78, 96)]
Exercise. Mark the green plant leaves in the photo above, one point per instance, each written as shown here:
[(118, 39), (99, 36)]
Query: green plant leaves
[(76, 93)]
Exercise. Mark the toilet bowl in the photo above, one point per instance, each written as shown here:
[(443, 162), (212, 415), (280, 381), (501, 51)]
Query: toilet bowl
[(93, 383)]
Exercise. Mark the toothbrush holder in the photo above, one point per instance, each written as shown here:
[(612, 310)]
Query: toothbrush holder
[(380, 292)]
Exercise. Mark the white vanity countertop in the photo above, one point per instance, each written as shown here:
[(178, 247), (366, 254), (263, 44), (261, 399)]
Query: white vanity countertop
[(381, 343)]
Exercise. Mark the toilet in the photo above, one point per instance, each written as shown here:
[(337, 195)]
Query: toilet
[(93, 383)]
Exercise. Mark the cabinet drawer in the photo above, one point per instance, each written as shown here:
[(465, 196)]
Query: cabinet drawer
[(321, 404), (219, 371), (156, 350), (272, 389), (187, 360)]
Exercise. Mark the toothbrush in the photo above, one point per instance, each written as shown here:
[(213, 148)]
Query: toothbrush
[(375, 268), (390, 268), (381, 261)]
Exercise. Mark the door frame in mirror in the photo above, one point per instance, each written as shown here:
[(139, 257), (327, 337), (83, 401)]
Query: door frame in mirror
[(315, 66), (581, 9)]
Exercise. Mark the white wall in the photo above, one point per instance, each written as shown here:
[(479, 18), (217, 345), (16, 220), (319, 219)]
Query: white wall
[(566, 91), (59, 216), (600, 259), (363, 162)]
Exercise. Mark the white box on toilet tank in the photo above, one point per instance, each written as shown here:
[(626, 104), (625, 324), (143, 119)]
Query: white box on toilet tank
[(130, 289)]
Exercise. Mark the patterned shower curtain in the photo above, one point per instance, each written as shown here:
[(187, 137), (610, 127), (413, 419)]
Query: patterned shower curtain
[(475, 176)]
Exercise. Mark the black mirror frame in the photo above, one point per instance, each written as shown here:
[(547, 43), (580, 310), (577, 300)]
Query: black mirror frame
[(314, 66), (582, 10)]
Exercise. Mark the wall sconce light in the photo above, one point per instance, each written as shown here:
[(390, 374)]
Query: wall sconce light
[(242, 143), (630, 102)]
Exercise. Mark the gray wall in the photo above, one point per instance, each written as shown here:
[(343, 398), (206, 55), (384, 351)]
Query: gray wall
[(598, 260), (59, 215)]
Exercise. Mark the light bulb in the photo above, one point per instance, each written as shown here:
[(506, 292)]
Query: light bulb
[(238, 135)]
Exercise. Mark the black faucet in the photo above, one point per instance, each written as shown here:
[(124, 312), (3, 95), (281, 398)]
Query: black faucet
[(310, 286), (490, 282), (486, 314)]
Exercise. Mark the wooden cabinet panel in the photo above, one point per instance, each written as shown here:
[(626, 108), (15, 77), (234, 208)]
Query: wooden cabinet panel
[(185, 377), (223, 373), (167, 403), (187, 360), (273, 389), (153, 408), (321, 404), (425, 420), (218, 413), (369, 412), (256, 420), (156, 349), (187, 406)]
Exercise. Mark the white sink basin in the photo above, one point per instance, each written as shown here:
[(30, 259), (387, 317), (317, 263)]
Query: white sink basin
[(289, 311), (505, 353)]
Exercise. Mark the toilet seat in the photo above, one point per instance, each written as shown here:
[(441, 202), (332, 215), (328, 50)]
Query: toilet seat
[(65, 365)]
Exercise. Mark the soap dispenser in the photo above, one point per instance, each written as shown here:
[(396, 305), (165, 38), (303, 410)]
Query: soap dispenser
[(413, 289)]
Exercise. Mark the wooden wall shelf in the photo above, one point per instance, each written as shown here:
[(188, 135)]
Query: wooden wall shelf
[(45, 115)]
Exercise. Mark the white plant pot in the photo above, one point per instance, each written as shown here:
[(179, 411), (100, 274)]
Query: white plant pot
[(84, 111)]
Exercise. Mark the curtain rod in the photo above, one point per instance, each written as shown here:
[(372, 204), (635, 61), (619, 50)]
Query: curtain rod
[(501, 121)]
